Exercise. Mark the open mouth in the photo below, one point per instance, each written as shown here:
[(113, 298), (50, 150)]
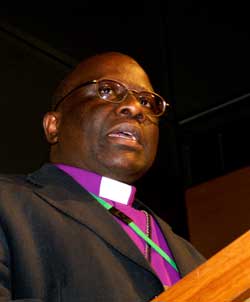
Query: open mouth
[(123, 134), (127, 132)]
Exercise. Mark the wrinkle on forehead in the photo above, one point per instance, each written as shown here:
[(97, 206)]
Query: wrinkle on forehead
[(112, 65)]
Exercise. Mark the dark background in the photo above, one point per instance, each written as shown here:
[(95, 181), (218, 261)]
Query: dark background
[(197, 55)]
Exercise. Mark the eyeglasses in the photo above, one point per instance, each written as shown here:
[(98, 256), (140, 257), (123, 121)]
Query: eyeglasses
[(116, 92)]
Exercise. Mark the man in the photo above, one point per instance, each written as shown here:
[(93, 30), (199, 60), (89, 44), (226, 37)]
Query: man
[(66, 230)]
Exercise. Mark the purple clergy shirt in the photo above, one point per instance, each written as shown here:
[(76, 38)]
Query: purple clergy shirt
[(121, 196)]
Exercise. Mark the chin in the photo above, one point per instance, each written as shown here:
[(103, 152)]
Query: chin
[(126, 173), (127, 167)]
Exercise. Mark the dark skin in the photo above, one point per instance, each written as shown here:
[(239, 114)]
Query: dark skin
[(83, 130)]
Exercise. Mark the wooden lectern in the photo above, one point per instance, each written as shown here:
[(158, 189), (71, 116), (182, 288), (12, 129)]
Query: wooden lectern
[(225, 277)]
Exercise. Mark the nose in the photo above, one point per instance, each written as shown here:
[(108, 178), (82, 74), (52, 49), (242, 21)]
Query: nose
[(131, 108)]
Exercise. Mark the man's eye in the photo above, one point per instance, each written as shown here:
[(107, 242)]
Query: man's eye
[(145, 102), (106, 90)]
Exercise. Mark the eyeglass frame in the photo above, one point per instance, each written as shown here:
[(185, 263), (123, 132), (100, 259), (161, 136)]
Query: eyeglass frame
[(165, 104)]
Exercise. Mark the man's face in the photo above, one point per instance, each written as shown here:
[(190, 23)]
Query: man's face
[(115, 140)]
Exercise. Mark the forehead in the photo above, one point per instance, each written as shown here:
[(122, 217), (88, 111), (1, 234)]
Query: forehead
[(116, 67)]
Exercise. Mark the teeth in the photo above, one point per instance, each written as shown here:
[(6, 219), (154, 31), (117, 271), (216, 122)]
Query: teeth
[(126, 135)]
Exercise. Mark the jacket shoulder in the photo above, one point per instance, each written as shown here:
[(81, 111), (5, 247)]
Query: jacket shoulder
[(12, 179), (13, 183)]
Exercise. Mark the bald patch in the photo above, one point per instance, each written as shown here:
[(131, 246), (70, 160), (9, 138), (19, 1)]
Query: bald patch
[(110, 65)]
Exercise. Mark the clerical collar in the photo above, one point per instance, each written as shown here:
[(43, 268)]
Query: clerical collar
[(101, 186)]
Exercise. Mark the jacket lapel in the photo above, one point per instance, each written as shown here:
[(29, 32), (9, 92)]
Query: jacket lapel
[(60, 191)]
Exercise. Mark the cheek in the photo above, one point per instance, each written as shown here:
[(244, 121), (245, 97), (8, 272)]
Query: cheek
[(154, 138), (152, 145), (72, 132), (82, 118)]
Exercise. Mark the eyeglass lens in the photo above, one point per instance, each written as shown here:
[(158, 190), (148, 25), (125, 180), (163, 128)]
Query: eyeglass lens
[(112, 91)]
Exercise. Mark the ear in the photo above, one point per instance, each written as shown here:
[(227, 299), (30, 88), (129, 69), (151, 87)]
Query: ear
[(51, 122)]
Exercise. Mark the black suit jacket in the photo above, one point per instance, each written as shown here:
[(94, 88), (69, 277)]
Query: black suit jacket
[(58, 244)]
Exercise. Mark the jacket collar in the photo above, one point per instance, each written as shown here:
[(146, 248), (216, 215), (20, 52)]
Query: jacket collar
[(60, 191)]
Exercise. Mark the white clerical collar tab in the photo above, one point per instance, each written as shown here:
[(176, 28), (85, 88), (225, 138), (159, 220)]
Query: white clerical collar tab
[(115, 190)]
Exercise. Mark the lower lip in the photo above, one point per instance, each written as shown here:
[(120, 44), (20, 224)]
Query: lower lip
[(124, 141)]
